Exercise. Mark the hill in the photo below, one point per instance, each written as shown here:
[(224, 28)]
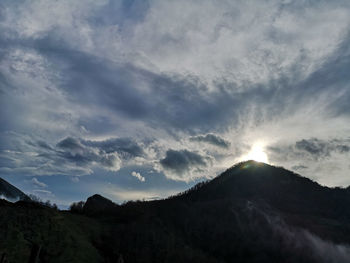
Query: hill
[(252, 212), (10, 192)]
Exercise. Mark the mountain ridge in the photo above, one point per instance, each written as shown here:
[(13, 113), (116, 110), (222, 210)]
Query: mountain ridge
[(11, 192), (252, 212)]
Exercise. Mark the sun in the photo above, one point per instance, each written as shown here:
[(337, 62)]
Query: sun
[(257, 154)]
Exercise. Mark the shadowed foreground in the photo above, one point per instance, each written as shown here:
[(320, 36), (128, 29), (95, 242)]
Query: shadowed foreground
[(253, 212)]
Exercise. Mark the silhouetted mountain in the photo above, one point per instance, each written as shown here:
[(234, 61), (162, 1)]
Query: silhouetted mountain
[(97, 204), (276, 186), (253, 212), (10, 192)]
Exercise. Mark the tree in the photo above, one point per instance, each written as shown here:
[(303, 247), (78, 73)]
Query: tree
[(77, 207)]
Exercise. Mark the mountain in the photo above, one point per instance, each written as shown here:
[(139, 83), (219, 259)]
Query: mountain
[(276, 186), (10, 192), (97, 204), (253, 212)]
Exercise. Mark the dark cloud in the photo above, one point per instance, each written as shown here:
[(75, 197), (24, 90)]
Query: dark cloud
[(309, 156), (39, 143), (124, 146), (107, 153), (72, 150), (175, 101), (320, 148), (182, 161), (342, 148), (169, 102), (70, 143), (211, 139), (314, 146), (166, 101), (44, 145), (73, 156)]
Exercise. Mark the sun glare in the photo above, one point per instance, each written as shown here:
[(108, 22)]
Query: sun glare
[(257, 154)]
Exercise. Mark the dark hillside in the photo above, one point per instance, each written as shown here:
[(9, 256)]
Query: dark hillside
[(252, 212), (277, 186), (62, 236), (11, 192)]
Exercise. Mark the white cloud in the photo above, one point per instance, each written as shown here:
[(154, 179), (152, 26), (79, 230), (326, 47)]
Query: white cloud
[(75, 179), (36, 182), (240, 41), (138, 176), (244, 70), (121, 194), (47, 192)]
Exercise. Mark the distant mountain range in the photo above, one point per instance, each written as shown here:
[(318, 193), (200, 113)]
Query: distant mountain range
[(10, 192), (253, 212)]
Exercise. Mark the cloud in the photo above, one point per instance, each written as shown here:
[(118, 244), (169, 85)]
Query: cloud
[(71, 144), (138, 176), (43, 194), (70, 156), (211, 139), (184, 164), (321, 149), (121, 194), (75, 152), (75, 179), (36, 182), (137, 92), (109, 76), (314, 147), (108, 154), (321, 159), (124, 146)]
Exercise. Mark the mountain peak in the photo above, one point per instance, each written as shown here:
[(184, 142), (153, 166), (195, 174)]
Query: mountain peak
[(250, 164), (97, 203), (253, 180)]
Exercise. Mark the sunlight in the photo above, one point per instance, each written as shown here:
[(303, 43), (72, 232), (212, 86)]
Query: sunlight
[(257, 154)]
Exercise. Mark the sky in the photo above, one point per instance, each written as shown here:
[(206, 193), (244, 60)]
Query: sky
[(143, 99)]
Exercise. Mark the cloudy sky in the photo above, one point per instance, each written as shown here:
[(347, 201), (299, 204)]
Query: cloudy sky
[(142, 99)]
